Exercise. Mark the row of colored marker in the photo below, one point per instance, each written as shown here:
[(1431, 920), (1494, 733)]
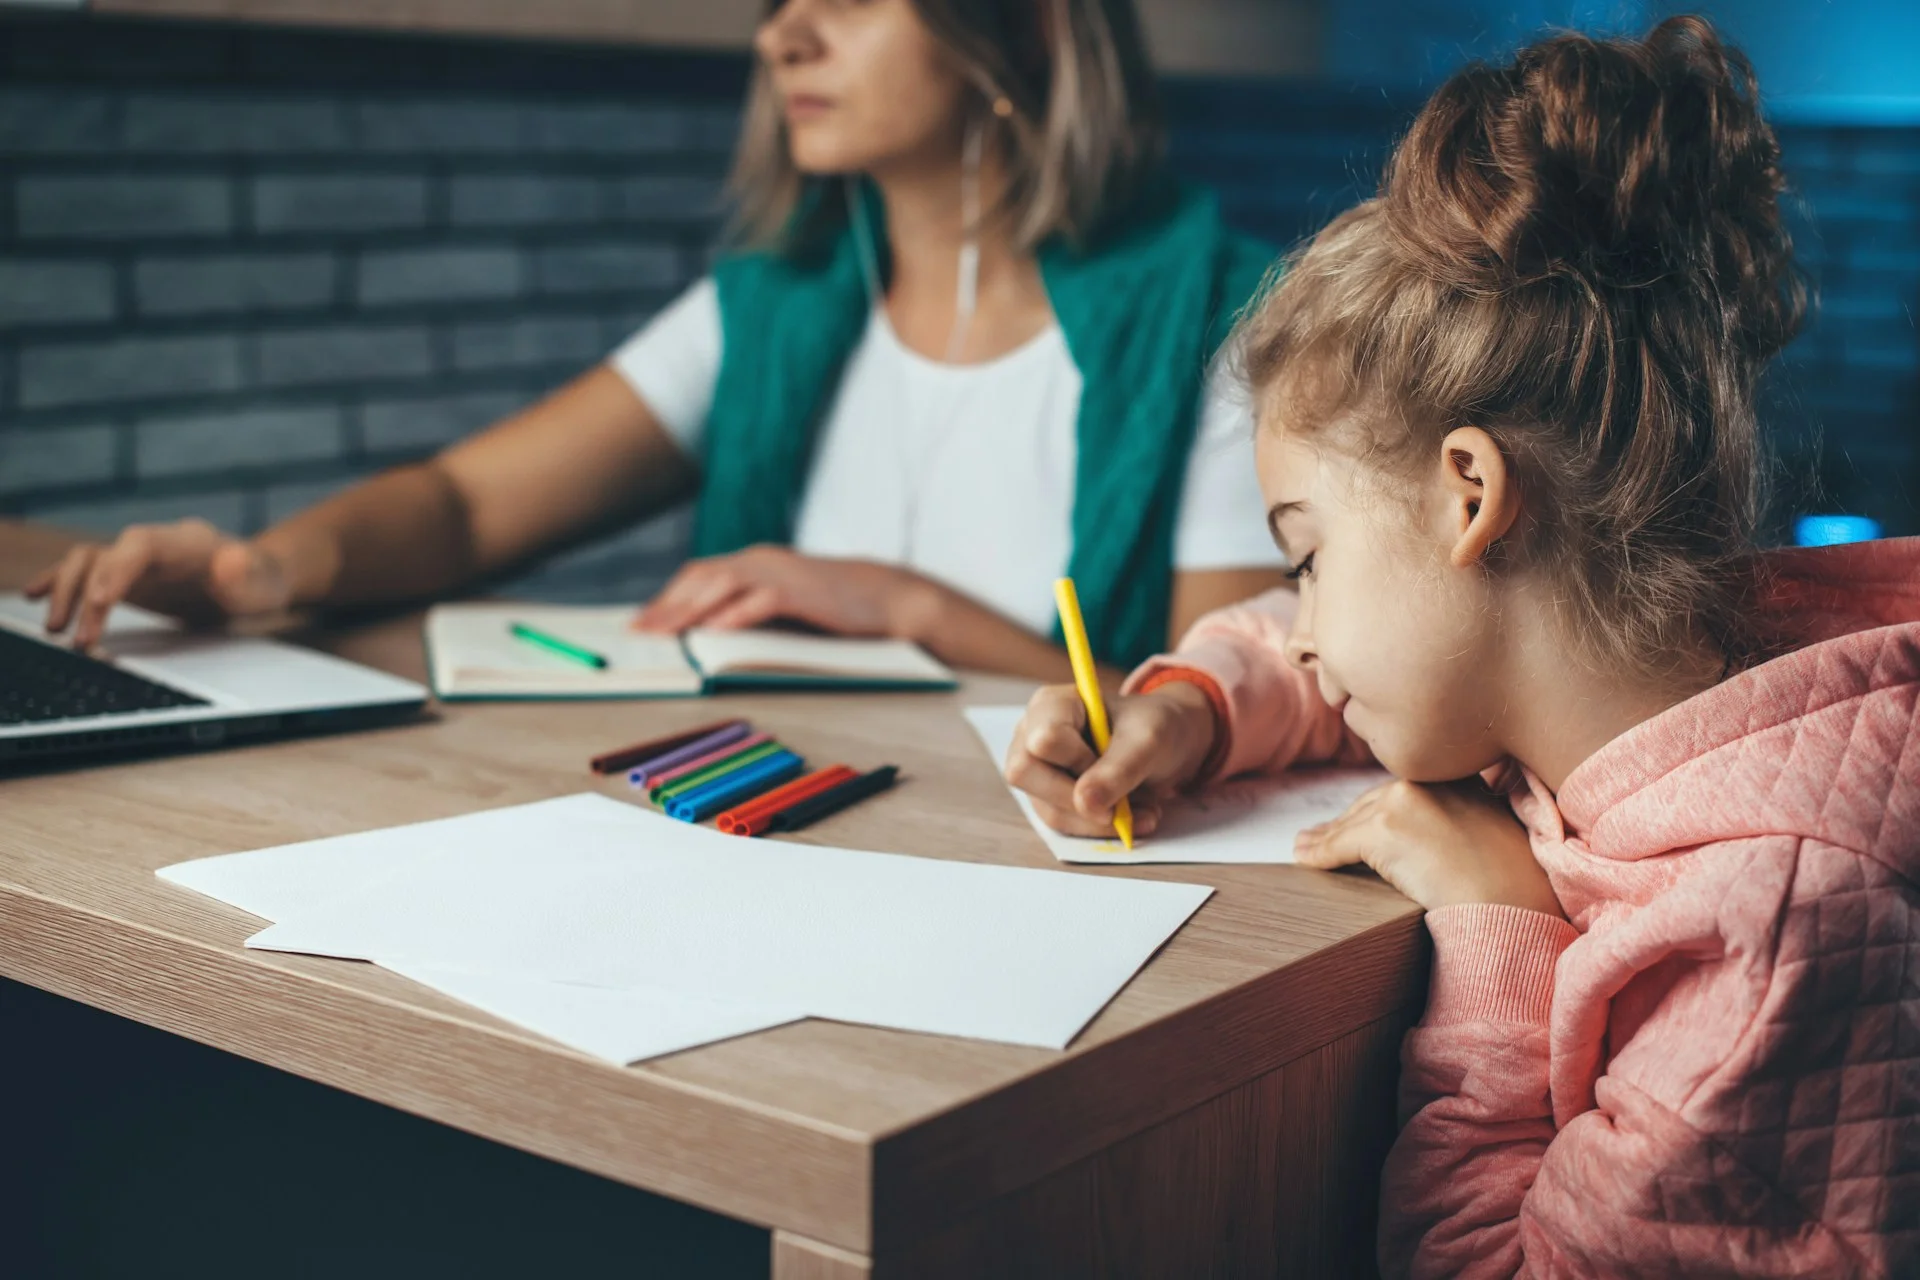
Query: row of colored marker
[(747, 782)]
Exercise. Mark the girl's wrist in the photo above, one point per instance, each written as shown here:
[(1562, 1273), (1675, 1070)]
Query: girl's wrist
[(1201, 706)]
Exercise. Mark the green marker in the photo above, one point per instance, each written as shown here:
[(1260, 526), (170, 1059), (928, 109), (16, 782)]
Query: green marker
[(554, 644)]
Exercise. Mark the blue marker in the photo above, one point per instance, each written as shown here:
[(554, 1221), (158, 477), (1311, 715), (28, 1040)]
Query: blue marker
[(730, 789)]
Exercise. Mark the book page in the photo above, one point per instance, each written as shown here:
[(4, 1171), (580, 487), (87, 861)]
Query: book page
[(721, 653), (474, 651)]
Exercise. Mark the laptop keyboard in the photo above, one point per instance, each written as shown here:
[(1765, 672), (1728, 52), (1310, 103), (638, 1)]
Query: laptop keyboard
[(40, 682)]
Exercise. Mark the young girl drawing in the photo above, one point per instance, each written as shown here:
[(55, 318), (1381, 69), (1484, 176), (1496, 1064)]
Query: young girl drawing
[(1507, 434)]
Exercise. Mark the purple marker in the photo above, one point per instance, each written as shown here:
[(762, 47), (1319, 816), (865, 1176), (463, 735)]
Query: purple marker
[(644, 774)]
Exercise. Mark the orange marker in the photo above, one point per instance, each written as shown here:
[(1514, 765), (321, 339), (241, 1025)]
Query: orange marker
[(751, 818)]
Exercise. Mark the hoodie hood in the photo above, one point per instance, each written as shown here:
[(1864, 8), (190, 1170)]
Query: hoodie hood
[(1822, 742)]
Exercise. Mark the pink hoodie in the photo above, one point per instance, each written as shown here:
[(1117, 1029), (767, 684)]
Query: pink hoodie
[(1714, 1069)]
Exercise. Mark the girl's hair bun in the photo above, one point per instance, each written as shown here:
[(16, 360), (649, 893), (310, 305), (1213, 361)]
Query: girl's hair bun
[(1620, 163)]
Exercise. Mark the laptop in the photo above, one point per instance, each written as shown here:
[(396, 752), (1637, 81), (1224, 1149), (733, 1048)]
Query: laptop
[(155, 686)]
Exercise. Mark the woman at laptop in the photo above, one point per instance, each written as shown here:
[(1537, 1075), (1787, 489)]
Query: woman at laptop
[(964, 344)]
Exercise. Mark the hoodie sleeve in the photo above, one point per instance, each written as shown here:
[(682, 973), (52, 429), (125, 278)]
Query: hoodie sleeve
[(1718, 1099), (1275, 715), (1474, 1095)]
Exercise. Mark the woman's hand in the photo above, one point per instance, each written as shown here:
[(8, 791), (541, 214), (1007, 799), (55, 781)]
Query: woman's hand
[(188, 569), (1440, 844), (761, 584), (1159, 742)]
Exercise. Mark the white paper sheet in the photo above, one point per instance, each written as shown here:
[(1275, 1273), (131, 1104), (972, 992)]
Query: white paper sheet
[(1244, 820), (621, 1026), (616, 896)]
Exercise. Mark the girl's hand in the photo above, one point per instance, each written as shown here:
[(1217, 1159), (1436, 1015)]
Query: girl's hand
[(1159, 742), (1440, 844), (188, 569), (761, 584)]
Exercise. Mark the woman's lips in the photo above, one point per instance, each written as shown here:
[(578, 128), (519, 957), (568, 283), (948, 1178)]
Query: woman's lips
[(806, 106)]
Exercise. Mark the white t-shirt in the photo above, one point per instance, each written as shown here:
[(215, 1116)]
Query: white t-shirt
[(962, 472)]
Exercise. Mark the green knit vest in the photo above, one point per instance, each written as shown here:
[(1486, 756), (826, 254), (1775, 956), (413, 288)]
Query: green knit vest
[(1143, 311)]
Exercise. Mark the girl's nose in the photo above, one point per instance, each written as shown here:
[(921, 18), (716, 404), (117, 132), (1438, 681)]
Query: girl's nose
[(1300, 649)]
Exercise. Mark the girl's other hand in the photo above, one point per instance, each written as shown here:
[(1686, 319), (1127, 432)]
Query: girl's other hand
[(1441, 844), (189, 569), (768, 583), (1160, 741)]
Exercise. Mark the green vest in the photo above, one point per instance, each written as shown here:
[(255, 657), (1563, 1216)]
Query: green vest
[(1143, 311)]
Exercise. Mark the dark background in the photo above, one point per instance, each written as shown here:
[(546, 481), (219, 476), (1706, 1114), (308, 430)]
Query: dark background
[(242, 267)]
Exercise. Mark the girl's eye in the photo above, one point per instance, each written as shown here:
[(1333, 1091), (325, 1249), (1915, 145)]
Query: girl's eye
[(1301, 570)]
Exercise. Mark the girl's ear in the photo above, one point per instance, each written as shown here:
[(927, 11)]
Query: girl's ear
[(1482, 502)]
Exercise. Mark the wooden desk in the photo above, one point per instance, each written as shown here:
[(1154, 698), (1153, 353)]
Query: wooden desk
[(1226, 1115)]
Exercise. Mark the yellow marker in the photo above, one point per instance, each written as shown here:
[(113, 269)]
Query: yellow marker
[(1074, 627)]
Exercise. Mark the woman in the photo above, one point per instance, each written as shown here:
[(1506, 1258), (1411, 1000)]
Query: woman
[(963, 350)]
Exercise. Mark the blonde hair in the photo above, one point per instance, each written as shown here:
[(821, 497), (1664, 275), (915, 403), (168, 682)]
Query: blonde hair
[(1582, 253), (1082, 135)]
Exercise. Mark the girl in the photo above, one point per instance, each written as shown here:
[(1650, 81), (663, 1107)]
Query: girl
[(962, 348), (1508, 438)]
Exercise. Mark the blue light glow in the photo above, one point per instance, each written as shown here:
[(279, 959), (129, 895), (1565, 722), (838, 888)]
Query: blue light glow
[(1828, 531)]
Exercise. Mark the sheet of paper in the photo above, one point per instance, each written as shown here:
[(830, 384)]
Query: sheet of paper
[(619, 1025), (1244, 820), (613, 895)]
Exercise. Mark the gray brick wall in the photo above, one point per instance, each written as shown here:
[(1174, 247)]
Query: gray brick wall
[(242, 270)]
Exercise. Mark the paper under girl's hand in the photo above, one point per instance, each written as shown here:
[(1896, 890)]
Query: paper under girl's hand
[(1441, 844), (1160, 740)]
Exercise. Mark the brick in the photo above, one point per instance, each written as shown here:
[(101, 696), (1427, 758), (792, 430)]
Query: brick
[(234, 441), (279, 501), (211, 122), (629, 566), (56, 121), (532, 342), (212, 284), (419, 423), (666, 198), (438, 127), (523, 201), (60, 457), (343, 353), (67, 373), (604, 128), (362, 202), (119, 207), (438, 275), (225, 509), (50, 291), (612, 266), (713, 129)]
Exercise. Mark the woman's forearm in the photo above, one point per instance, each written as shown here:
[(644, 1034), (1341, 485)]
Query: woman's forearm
[(403, 535)]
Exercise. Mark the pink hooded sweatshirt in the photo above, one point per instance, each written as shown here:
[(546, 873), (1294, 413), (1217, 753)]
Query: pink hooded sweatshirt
[(1712, 1067)]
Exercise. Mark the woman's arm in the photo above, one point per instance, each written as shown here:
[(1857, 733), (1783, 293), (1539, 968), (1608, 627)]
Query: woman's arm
[(588, 456)]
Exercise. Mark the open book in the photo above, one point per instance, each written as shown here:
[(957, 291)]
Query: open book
[(472, 652)]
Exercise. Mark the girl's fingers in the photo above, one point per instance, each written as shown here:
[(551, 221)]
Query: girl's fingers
[(1068, 822), (1041, 781), (1057, 742), (41, 583), (1127, 767)]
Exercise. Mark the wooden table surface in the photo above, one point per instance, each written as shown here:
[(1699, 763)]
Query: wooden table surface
[(1224, 1115)]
